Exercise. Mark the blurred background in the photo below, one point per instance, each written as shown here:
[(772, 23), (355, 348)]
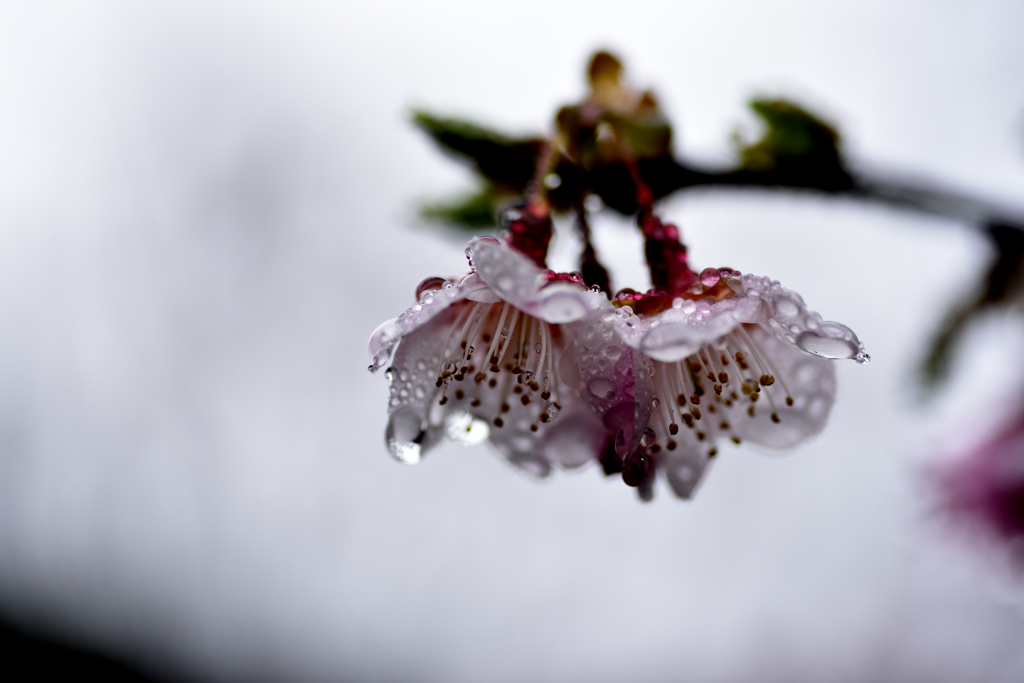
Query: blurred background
[(206, 208)]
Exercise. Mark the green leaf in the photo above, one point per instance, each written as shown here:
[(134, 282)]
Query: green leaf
[(504, 161), (473, 211), (797, 146)]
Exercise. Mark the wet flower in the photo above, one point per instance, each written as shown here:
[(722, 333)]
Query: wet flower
[(478, 358), (983, 493), (733, 357)]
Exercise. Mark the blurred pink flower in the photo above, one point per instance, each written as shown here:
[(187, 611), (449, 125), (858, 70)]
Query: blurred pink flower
[(983, 492), (478, 358), (735, 356)]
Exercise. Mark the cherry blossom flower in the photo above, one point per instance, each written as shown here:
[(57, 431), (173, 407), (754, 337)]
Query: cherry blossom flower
[(983, 493), (723, 356), (478, 358)]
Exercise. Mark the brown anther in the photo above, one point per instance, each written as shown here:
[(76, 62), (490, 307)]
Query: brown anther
[(486, 337), (655, 448), (739, 356), (444, 399), (743, 365), (700, 436), (728, 403), (517, 389), (734, 396), (525, 399), (789, 400), (775, 418), (694, 399), (464, 369), (459, 394), (459, 377), (475, 402), (736, 440), (478, 377), (695, 412), (694, 367), (545, 418), (711, 376), (680, 400), (713, 452), (687, 420), (725, 359), (673, 429), (505, 407), (495, 368), (533, 428), (724, 426), (516, 370), (498, 422), (718, 389), (711, 408), (533, 386), (754, 398), (545, 394), (494, 362), (671, 445), (439, 382), (492, 383), (463, 344), (745, 388), (750, 411)]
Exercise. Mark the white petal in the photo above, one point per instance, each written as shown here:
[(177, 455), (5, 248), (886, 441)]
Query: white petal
[(810, 383), (510, 274), (475, 289)]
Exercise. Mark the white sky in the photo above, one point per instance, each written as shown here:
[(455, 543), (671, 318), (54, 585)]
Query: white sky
[(206, 208)]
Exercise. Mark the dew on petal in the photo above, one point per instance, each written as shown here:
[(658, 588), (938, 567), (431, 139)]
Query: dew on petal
[(404, 436), (827, 347), (709, 277), (649, 438), (601, 387), (466, 429)]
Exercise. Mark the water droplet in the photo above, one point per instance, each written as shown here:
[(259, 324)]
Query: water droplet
[(403, 375), (404, 436), (389, 374), (634, 469), (613, 351), (648, 438), (601, 388), (785, 307), (826, 347), (419, 392), (449, 367), (428, 285), (552, 411), (709, 277), (655, 403), (538, 347), (466, 429), (862, 358), (552, 180), (595, 289)]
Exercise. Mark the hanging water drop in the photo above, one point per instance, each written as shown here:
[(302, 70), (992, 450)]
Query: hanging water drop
[(648, 438), (709, 277)]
